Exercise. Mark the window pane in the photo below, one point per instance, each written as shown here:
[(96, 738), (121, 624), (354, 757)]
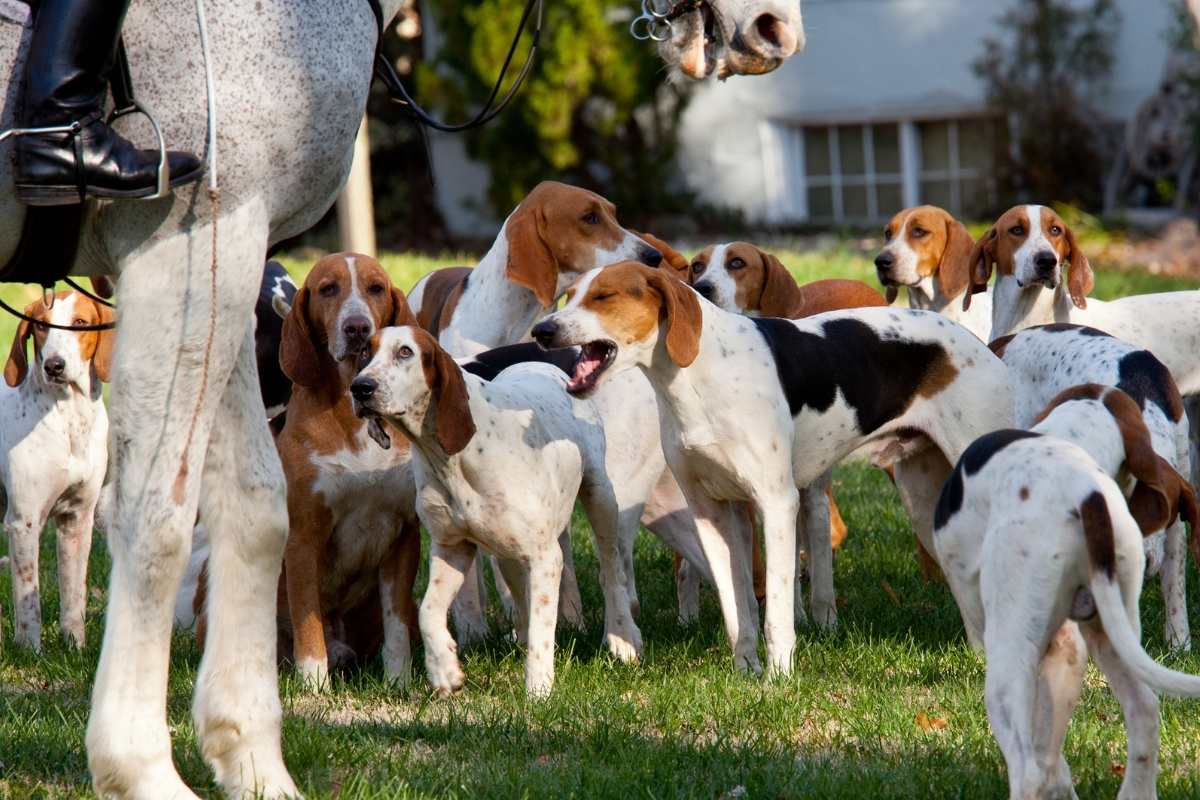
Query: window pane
[(937, 193), (935, 145), (887, 149), (891, 199), (854, 202), (976, 144), (820, 202), (850, 140), (816, 151)]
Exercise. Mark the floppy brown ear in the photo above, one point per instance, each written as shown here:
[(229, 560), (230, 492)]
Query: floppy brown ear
[(1080, 279), (531, 263), (954, 268), (103, 357), (18, 364), (454, 424), (683, 317), (103, 286), (1150, 503), (979, 263), (1189, 509), (401, 312), (890, 293), (298, 356), (781, 296)]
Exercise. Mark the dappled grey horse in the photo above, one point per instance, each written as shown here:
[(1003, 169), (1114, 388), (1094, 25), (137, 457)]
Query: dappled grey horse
[(188, 433)]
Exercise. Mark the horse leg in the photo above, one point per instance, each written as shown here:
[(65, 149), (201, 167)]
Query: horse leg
[(242, 502)]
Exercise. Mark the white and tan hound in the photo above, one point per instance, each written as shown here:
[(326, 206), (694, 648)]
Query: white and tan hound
[(1047, 359), (53, 455), (478, 447), (752, 409), (1045, 561), (354, 541), (928, 251)]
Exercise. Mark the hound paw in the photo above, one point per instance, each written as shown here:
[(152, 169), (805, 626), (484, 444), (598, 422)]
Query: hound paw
[(625, 648), (445, 674), (313, 674)]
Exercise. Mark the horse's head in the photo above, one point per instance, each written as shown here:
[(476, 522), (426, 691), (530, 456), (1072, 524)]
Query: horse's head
[(733, 37)]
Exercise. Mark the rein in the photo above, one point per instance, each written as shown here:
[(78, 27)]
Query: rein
[(397, 91), (41, 323)]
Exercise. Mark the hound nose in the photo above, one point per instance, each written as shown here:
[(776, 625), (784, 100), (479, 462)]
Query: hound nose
[(54, 366), (357, 329), (651, 257), (363, 389), (706, 289), (884, 262), (544, 333), (1045, 261)]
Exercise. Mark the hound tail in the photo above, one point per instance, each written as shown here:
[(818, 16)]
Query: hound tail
[(1110, 603)]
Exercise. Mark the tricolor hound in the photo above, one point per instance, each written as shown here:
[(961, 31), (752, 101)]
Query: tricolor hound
[(1047, 359), (53, 455), (928, 251), (1045, 561), (478, 446), (751, 409), (354, 541)]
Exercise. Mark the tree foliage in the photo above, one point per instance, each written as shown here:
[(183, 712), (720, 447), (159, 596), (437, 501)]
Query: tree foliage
[(1045, 73), (596, 110)]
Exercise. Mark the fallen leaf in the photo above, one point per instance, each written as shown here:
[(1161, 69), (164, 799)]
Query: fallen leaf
[(887, 587), (928, 723), (1118, 769)]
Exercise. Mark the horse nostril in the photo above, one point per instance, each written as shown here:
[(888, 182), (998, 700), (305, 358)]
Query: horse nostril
[(363, 388), (770, 29), (544, 333)]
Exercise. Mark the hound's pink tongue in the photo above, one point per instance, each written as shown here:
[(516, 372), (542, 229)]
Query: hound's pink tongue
[(584, 367)]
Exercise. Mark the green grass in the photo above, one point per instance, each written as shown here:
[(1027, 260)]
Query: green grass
[(680, 724)]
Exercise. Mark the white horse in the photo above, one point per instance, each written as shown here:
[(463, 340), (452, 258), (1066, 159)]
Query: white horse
[(188, 434)]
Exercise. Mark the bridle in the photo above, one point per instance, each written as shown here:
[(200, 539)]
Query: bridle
[(655, 21)]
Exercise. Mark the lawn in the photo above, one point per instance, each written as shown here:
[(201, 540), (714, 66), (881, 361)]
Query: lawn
[(891, 705)]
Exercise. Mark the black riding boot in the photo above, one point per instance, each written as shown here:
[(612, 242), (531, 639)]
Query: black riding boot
[(66, 81)]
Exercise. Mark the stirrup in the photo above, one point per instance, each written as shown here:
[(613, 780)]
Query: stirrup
[(163, 181)]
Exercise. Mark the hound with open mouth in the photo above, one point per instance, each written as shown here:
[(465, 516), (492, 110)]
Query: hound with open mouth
[(753, 410)]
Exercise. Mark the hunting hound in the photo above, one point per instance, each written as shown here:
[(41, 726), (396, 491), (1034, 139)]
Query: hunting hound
[(53, 455), (1045, 561), (478, 447), (752, 409)]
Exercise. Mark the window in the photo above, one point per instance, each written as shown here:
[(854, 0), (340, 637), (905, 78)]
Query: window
[(864, 173)]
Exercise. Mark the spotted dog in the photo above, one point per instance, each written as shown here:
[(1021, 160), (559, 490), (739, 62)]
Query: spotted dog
[(53, 455), (1045, 561), (1047, 359), (754, 409), (498, 466), (928, 251), (354, 539)]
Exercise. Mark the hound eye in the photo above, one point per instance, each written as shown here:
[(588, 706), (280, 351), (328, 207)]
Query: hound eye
[(78, 321), (328, 290), (697, 267), (591, 218), (376, 289), (887, 234), (737, 263), (403, 352), (917, 233), (1017, 230), (1055, 230), (599, 298)]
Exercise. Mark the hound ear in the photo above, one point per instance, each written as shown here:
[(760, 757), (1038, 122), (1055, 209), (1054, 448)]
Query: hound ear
[(1080, 279), (454, 424), (18, 365), (954, 269), (890, 293), (401, 312), (103, 358), (530, 261), (781, 296), (1150, 503), (979, 264), (298, 356), (683, 317), (103, 286)]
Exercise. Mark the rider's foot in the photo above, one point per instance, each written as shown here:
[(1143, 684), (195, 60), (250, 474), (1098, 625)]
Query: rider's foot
[(108, 165), (70, 56)]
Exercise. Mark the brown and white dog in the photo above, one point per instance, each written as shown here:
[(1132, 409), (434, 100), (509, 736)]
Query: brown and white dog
[(928, 251), (354, 541), (753, 410), (53, 454)]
